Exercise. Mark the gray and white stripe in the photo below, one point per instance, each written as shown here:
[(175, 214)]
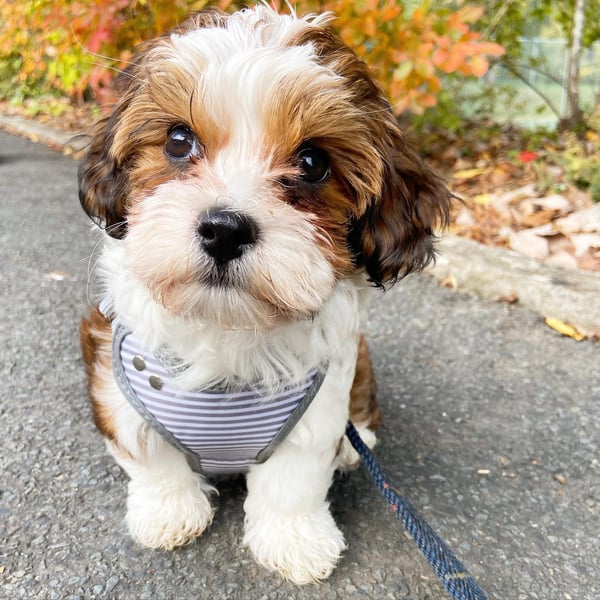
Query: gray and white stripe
[(221, 432)]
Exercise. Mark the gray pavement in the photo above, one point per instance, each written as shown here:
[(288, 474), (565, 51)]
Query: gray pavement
[(491, 429)]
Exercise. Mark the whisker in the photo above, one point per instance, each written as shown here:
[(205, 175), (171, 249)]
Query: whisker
[(92, 261), (115, 226), (96, 54), (105, 58)]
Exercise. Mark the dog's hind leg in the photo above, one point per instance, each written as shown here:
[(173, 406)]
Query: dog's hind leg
[(364, 410)]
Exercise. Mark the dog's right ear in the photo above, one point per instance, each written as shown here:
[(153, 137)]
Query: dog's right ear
[(103, 182), (104, 175)]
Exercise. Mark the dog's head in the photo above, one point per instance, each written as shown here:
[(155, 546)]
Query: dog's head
[(250, 163)]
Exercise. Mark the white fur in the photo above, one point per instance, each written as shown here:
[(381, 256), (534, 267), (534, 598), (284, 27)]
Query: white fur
[(348, 458), (168, 504), (288, 524)]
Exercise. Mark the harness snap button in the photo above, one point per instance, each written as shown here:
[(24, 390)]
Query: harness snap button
[(139, 363), (155, 382)]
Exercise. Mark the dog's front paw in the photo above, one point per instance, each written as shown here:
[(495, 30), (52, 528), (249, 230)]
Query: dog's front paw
[(168, 518), (304, 548)]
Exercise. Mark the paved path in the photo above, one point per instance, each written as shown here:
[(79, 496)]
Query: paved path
[(492, 430)]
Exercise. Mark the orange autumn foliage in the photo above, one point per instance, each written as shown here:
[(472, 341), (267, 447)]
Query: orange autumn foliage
[(410, 51), (74, 47)]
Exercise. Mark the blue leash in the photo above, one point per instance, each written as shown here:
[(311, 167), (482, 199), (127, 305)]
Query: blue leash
[(457, 581)]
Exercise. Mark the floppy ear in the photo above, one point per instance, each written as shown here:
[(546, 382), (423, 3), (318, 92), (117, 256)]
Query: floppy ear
[(103, 183), (395, 236), (104, 178)]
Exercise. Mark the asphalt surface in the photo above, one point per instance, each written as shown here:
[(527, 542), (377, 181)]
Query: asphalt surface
[(492, 430)]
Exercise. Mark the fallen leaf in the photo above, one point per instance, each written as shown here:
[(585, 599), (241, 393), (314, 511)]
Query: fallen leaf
[(514, 196), (468, 173), (537, 218), (546, 230), (564, 328), (584, 241), (589, 260), (560, 478), (510, 298), (464, 217), (503, 202), (591, 135), (562, 259), (579, 198), (581, 221), (461, 163), (499, 176), (449, 282), (57, 276), (529, 244), (527, 156), (483, 199), (554, 202)]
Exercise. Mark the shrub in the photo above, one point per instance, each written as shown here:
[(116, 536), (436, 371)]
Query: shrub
[(581, 157), (74, 47), (410, 51)]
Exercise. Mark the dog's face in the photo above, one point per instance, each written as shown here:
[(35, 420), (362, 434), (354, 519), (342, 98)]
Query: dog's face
[(251, 163)]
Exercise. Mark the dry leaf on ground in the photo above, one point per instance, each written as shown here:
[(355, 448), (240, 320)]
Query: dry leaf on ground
[(564, 328)]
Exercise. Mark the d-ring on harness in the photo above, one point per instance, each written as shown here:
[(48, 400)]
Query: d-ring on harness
[(457, 581)]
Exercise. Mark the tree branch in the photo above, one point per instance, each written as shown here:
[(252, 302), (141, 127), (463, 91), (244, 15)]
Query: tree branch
[(514, 71), (553, 78), (497, 18)]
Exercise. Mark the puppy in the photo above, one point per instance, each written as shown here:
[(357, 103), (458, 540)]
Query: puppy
[(252, 185)]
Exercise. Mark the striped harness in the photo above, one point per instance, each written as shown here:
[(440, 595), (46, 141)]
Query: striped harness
[(219, 431)]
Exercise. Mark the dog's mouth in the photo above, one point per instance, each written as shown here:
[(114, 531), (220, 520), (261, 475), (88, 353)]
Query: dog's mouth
[(226, 276), (236, 283)]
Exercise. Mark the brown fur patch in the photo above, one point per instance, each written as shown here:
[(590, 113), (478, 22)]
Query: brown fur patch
[(96, 347), (363, 402), (125, 157), (304, 112)]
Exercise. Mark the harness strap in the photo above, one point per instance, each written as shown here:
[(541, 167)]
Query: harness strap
[(248, 426), (119, 335), (452, 573)]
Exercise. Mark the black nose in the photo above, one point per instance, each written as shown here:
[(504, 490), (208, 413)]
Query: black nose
[(226, 234)]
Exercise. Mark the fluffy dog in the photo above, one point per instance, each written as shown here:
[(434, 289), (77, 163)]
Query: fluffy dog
[(252, 185)]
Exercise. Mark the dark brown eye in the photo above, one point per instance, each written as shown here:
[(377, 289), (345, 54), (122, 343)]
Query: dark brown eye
[(314, 164), (182, 143)]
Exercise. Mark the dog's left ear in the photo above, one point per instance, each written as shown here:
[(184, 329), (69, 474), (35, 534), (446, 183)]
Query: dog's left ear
[(395, 236)]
